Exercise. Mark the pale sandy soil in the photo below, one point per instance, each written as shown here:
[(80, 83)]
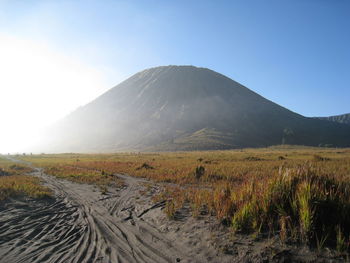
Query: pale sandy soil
[(80, 224)]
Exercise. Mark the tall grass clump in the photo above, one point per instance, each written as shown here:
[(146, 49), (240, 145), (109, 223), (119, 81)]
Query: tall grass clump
[(14, 181), (19, 185), (301, 204)]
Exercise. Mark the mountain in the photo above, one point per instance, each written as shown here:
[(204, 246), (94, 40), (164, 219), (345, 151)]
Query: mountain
[(186, 108), (344, 118)]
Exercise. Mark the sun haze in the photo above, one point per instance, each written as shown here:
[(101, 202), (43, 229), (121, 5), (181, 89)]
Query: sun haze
[(39, 86), (174, 131), (56, 56)]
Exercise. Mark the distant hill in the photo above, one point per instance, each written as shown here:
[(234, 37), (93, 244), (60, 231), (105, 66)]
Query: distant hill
[(344, 118), (186, 108)]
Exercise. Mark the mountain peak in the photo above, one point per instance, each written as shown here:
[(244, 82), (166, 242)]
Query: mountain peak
[(187, 108)]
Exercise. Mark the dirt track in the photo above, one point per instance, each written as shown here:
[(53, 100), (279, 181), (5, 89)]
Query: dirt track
[(80, 224), (84, 226)]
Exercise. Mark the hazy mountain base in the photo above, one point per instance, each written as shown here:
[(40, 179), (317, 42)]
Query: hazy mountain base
[(186, 108)]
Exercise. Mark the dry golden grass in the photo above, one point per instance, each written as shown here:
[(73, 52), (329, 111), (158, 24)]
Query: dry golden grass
[(18, 185), (83, 175), (180, 167), (302, 194), (15, 182)]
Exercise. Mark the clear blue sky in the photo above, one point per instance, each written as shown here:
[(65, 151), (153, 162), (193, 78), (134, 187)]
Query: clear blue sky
[(293, 52)]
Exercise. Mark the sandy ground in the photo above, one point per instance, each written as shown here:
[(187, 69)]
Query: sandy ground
[(83, 225), (80, 224)]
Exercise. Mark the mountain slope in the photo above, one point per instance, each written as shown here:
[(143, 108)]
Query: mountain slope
[(186, 108), (344, 118)]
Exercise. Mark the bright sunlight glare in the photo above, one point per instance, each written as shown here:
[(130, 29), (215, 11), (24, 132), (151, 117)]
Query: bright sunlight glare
[(38, 86)]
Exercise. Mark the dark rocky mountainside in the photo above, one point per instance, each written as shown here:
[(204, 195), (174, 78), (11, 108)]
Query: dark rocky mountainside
[(344, 118), (186, 108)]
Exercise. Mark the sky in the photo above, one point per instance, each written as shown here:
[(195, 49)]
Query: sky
[(58, 55)]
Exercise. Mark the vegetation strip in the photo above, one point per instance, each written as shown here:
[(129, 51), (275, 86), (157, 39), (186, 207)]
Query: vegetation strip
[(300, 194), (15, 181)]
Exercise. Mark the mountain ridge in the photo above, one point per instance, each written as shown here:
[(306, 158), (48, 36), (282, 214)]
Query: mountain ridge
[(187, 108), (341, 118)]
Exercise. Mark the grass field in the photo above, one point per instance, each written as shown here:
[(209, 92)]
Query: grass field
[(14, 181), (301, 194)]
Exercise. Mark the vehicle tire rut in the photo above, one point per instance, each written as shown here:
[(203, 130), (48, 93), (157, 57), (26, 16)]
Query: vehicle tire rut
[(78, 225)]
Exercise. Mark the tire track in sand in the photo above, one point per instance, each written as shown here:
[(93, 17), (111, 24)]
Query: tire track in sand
[(80, 226)]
